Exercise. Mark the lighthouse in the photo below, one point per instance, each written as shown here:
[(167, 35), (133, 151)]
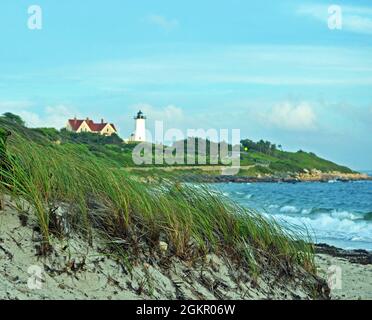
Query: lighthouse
[(140, 131)]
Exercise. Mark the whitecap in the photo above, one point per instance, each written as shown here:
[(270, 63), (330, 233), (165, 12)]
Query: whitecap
[(327, 226), (344, 215), (289, 209), (306, 211)]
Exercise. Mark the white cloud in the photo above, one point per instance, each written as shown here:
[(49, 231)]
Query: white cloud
[(52, 117), (358, 24), (171, 116), (170, 113), (317, 11), (162, 22), (354, 19), (266, 65), (289, 116)]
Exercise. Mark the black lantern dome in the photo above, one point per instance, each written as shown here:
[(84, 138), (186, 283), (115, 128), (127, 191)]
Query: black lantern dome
[(139, 115)]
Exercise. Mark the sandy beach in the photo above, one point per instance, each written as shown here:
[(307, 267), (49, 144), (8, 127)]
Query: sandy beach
[(355, 278)]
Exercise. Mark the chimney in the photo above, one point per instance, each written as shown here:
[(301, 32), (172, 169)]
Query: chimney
[(87, 119), (102, 121)]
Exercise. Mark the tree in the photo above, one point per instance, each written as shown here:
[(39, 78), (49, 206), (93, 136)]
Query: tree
[(273, 148), (261, 146), (14, 118)]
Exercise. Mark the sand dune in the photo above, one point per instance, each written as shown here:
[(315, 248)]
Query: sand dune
[(75, 270)]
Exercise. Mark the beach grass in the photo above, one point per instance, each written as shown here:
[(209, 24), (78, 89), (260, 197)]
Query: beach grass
[(100, 197)]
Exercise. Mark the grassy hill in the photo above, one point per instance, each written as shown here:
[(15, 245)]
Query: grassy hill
[(281, 162), (261, 158), (273, 160)]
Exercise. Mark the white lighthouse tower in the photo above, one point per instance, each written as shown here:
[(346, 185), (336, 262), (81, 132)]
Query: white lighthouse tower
[(140, 131)]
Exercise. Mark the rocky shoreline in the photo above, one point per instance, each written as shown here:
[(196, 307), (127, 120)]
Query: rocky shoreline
[(363, 257), (307, 176)]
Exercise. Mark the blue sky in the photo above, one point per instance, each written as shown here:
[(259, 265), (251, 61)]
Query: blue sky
[(270, 68)]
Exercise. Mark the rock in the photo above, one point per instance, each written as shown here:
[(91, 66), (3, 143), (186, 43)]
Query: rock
[(163, 246), (354, 256)]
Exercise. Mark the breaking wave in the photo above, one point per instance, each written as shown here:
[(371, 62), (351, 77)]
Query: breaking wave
[(339, 225)]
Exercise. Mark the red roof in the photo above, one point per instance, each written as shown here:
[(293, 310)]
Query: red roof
[(75, 123), (95, 127)]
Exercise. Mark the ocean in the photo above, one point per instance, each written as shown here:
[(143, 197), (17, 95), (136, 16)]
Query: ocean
[(336, 213)]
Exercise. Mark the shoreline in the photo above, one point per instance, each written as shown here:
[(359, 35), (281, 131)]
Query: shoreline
[(214, 174), (326, 178), (357, 256)]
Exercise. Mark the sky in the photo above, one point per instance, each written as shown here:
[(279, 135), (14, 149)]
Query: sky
[(273, 69)]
